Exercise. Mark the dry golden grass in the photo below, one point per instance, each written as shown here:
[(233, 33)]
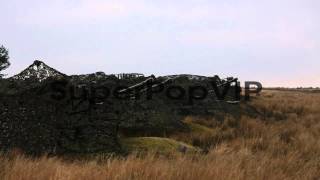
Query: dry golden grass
[(281, 142)]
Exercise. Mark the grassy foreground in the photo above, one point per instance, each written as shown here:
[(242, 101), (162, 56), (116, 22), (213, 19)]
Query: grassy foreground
[(282, 141)]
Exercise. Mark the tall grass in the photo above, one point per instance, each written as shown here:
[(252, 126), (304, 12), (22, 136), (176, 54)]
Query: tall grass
[(281, 142)]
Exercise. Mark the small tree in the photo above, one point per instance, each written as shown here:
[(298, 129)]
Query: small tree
[(4, 59)]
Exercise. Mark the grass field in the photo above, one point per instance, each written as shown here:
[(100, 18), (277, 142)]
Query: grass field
[(280, 141)]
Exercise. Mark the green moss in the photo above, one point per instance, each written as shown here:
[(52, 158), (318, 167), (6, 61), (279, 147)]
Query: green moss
[(156, 144), (197, 128)]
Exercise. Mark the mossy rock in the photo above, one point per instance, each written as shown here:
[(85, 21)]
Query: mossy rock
[(156, 144), (197, 128)]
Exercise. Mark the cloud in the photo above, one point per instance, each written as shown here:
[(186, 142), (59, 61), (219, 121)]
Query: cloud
[(273, 38), (96, 9), (243, 38), (63, 12)]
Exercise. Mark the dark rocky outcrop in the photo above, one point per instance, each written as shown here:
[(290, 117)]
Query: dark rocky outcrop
[(38, 71), (35, 122), (45, 111)]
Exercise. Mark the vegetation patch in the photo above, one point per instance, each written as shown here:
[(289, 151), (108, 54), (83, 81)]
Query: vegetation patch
[(156, 144), (198, 128)]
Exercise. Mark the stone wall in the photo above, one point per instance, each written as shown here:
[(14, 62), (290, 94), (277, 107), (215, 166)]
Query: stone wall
[(35, 123)]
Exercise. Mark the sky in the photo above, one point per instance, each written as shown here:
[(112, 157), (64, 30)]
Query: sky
[(275, 42)]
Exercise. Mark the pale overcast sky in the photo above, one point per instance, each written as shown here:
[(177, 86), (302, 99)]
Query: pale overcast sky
[(276, 42)]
